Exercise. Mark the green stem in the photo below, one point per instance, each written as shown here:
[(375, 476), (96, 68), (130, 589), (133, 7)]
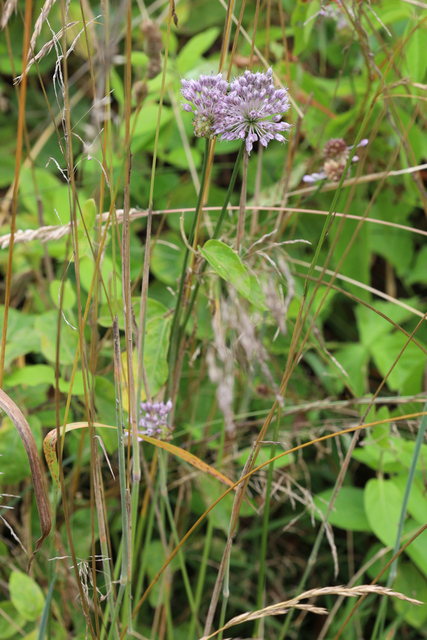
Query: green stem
[(206, 547), (265, 523), (165, 496), (214, 237), (175, 321), (144, 553), (380, 620)]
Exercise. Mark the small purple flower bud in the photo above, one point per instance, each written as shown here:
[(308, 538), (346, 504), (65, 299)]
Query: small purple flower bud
[(154, 422), (204, 94)]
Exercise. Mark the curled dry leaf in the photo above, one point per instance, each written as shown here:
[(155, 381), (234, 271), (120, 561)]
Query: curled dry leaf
[(27, 438)]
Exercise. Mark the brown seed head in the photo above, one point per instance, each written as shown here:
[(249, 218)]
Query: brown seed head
[(153, 38), (336, 149)]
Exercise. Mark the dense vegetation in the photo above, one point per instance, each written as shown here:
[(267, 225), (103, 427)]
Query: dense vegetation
[(223, 348)]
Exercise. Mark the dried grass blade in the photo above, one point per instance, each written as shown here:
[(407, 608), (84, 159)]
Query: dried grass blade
[(49, 447), (27, 438)]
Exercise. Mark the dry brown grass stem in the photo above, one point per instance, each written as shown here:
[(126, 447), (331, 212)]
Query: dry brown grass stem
[(284, 607), (261, 57)]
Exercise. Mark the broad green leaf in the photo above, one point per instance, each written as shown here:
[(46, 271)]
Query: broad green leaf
[(354, 359), (178, 158), (146, 125), (349, 510), (66, 289), (357, 262), (412, 583), (89, 214), (264, 456), (7, 630), (14, 463), (417, 550), (138, 59), (408, 447), (228, 265), (391, 12), (7, 170), (36, 374), (167, 257), (105, 404), (87, 269), (156, 347), (407, 375), (390, 459), (414, 52), (53, 193), (379, 564), (31, 375), (21, 336), (417, 497), (418, 272), (104, 318), (81, 529), (117, 86), (207, 492), (46, 325), (26, 595), (195, 48), (157, 556), (299, 16), (154, 309), (383, 503), (156, 352), (78, 387), (85, 230), (372, 326)]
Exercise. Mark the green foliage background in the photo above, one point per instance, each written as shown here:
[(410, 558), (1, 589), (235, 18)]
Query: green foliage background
[(354, 70)]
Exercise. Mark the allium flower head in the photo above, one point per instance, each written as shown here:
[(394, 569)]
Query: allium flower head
[(205, 96), (336, 154), (253, 110), (154, 422), (336, 149)]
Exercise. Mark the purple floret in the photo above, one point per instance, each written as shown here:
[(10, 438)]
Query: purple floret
[(252, 110), (204, 95)]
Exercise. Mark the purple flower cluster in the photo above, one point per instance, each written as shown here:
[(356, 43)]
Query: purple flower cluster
[(205, 94), (155, 421), (252, 110), (249, 108)]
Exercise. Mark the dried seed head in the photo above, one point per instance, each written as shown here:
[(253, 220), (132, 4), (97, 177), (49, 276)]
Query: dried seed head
[(140, 91), (154, 67), (153, 38), (336, 149), (334, 169)]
